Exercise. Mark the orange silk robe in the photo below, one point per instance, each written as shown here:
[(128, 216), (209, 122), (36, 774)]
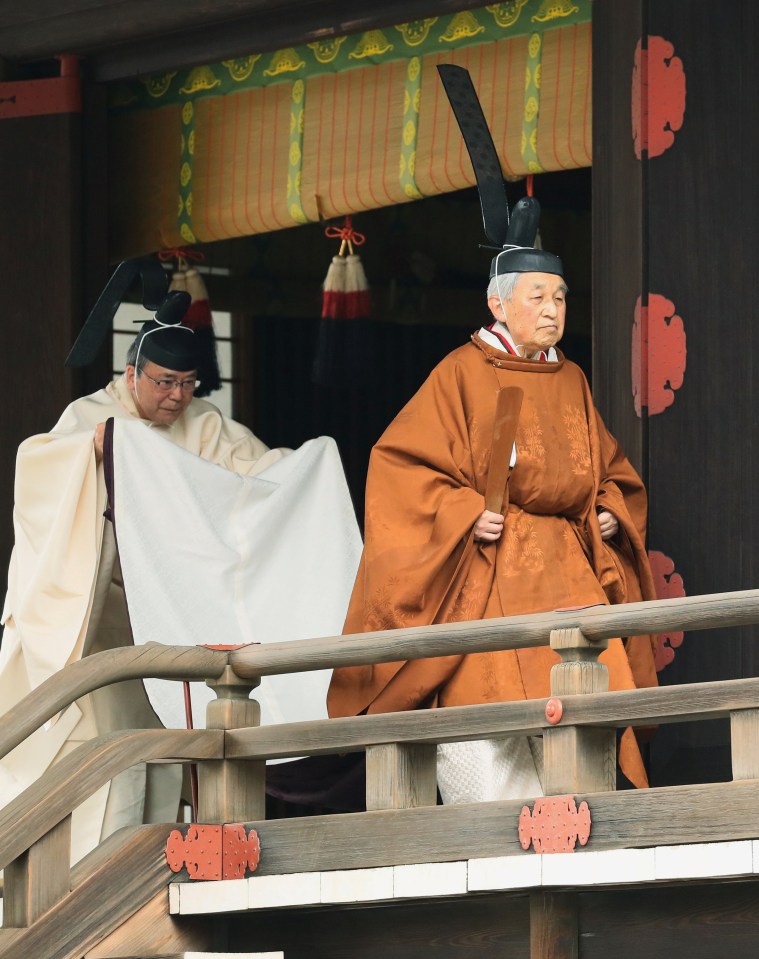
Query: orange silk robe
[(425, 491)]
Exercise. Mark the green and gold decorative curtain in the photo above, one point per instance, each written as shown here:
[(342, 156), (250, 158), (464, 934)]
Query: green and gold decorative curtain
[(348, 124)]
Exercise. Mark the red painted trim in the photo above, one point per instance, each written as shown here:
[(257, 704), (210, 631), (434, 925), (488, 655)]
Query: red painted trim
[(659, 352), (35, 98), (669, 585), (657, 95), (223, 646)]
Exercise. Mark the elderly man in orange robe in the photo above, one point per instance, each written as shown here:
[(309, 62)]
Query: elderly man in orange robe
[(572, 533)]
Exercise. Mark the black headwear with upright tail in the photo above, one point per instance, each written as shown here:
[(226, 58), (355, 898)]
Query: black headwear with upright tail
[(165, 341), (514, 234), (162, 340)]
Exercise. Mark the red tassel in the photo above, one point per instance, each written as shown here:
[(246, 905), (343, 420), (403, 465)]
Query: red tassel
[(200, 319), (198, 315)]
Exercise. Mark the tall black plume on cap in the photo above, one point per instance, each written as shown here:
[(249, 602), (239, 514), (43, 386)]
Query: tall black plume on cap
[(515, 233), (155, 284), (482, 152)]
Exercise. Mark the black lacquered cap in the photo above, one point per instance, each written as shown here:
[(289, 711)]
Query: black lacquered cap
[(525, 260), (164, 341)]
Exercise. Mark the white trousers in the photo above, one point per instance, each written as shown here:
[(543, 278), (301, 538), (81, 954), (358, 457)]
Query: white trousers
[(488, 769)]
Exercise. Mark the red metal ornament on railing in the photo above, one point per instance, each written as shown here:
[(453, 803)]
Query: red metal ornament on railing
[(214, 852), (554, 710), (555, 824)]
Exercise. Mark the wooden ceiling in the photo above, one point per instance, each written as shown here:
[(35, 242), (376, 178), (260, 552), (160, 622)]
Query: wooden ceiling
[(126, 38)]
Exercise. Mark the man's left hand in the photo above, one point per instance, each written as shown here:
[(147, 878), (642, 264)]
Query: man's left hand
[(608, 523)]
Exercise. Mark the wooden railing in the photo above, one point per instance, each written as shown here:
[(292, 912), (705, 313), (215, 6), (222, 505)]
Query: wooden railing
[(579, 749)]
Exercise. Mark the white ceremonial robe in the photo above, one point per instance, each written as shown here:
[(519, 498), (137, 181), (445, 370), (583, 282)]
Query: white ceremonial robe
[(250, 559), (65, 597)]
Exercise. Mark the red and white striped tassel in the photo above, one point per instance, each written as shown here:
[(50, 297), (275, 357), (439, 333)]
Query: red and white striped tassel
[(346, 290)]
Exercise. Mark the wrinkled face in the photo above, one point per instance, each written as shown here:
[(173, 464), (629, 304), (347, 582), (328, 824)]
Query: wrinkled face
[(153, 401), (535, 313)]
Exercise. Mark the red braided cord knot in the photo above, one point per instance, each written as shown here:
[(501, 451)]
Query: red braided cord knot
[(180, 252), (345, 233)]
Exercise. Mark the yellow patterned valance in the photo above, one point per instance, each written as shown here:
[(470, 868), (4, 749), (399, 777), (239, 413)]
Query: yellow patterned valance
[(211, 163)]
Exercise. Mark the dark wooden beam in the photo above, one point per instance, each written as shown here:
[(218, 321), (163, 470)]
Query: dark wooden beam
[(125, 38)]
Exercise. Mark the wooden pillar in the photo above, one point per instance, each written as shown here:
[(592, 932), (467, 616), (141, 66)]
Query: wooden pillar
[(54, 255), (675, 224), (39, 878), (744, 741), (400, 776), (232, 790), (578, 759)]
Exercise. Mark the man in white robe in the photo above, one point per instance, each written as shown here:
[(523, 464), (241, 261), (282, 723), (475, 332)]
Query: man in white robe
[(65, 596)]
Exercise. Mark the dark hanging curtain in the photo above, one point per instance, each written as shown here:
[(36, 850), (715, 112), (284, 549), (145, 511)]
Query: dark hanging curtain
[(371, 377)]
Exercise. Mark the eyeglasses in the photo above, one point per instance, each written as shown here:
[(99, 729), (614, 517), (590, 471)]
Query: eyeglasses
[(167, 385)]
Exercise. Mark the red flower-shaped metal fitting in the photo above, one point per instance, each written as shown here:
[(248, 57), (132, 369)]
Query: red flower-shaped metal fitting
[(658, 354), (213, 852), (555, 824)]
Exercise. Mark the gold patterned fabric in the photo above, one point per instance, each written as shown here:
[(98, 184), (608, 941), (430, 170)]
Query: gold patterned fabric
[(271, 141), (425, 490)]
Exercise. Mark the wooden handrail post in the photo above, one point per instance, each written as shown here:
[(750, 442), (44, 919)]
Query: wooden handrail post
[(578, 759), (401, 776), (39, 878), (744, 743), (232, 790)]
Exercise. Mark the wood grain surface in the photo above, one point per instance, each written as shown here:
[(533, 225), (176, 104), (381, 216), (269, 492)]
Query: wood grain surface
[(48, 801), (111, 884), (634, 707), (153, 660), (712, 611), (627, 819)]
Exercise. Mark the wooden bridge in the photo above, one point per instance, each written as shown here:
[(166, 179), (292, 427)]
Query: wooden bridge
[(664, 871)]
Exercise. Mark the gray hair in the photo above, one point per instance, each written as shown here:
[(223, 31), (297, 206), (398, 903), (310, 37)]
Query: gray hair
[(503, 285), (133, 360)]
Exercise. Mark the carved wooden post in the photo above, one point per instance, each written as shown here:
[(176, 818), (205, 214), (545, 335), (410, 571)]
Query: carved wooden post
[(232, 790), (401, 776), (744, 740), (578, 759), (39, 878)]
